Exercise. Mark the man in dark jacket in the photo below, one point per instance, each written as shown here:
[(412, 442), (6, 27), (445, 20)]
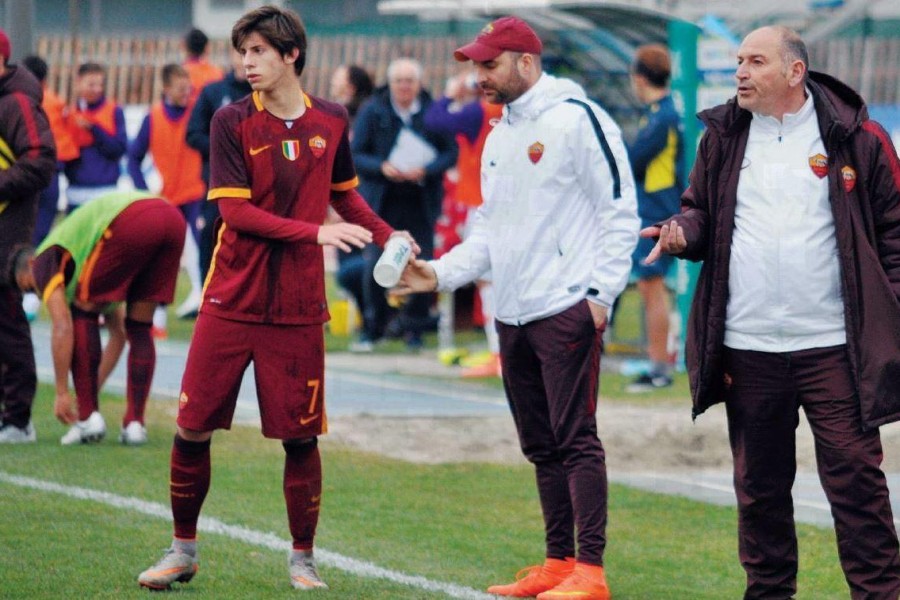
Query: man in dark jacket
[(794, 205), (27, 162), (406, 196), (212, 97)]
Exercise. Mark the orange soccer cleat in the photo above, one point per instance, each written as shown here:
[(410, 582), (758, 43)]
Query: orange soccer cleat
[(531, 581), (488, 368), (586, 582)]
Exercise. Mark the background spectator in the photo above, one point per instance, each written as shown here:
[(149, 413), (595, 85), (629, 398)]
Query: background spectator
[(97, 125), (657, 160), (408, 197)]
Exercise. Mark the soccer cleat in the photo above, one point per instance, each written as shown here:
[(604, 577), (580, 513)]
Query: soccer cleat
[(648, 383), (173, 567), (488, 369), (134, 434), (587, 582), (364, 345), (451, 356), (10, 434), (304, 575), (159, 333), (84, 432), (477, 359), (191, 305), (531, 581)]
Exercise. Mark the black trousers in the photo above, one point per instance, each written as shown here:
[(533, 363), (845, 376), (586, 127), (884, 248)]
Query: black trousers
[(764, 392), (551, 371), (18, 376), (403, 208)]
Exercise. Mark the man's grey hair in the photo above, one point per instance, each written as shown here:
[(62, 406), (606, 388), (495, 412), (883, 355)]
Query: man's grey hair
[(792, 47), (399, 63)]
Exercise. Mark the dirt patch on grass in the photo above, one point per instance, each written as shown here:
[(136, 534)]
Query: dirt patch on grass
[(636, 438)]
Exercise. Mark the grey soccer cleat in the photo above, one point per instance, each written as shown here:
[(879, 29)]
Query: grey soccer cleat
[(173, 567), (304, 575)]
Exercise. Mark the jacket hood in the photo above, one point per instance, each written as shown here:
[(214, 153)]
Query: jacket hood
[(548, 92), (839, 108), (17, 79)]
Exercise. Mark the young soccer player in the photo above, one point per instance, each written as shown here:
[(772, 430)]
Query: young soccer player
[(278, 157)]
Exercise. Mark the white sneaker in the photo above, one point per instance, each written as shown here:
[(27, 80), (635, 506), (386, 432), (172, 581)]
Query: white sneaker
[(303, 572), (10, 434), (84, 432), (174, 566), (134, 434), (190, 306), (31, 304)]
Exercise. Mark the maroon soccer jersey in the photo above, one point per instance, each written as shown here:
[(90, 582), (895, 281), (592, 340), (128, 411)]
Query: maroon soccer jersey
[(288, 169)]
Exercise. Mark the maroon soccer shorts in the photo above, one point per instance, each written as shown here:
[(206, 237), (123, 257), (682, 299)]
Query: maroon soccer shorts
[(137, 257), (289, 366)]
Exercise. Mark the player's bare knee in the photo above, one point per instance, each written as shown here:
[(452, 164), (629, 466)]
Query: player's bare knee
[(191, 435)]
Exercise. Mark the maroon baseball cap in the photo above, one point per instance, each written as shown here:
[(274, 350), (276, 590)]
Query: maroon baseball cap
[(506, 33), (5, 49)]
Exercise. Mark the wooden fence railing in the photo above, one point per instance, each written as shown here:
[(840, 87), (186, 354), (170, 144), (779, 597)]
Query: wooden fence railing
[(134, 64), (869, 65)]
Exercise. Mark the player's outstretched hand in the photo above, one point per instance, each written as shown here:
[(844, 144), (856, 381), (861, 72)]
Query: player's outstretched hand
[(418, 276), (416, 250), (671, 240), (64, 408), (344, 235)]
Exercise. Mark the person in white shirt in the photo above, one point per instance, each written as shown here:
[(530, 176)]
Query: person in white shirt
[(794, 206), (556, 229)]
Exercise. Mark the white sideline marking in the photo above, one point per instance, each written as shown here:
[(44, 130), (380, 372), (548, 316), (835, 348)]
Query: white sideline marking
[(249, 536)]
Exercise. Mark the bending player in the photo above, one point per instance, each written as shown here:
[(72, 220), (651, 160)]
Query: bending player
[(122, 247)]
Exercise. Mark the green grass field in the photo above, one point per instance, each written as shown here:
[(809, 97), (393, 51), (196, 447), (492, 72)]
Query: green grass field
[(466, 524)]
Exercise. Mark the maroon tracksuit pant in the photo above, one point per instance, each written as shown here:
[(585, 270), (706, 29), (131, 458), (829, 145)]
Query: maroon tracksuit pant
[(18, 377), (764, 392), (550, 371)]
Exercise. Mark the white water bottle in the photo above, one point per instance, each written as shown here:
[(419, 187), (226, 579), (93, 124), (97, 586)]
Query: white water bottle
[(392, 262)]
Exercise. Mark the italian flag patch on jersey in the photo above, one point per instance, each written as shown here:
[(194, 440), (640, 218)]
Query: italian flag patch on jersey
[(290, 149)]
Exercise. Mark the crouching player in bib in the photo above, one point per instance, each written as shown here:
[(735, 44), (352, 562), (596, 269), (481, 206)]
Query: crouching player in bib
[(278, 157), (121, 247)]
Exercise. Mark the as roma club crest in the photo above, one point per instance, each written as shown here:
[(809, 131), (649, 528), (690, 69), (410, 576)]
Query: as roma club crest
[(849, 177), (290, 149), (317, 146), (535, 152), (819, 165)]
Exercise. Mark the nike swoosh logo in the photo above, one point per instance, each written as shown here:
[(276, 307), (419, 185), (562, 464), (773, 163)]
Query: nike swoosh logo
[(308, 420), (255, 151)]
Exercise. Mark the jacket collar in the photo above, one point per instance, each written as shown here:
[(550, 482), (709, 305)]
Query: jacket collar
[(839, 109)]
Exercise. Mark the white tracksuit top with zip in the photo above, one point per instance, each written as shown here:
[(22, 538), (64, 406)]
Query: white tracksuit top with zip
[(559, 219)]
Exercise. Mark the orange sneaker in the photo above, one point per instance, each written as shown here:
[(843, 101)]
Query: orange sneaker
[(587, 582), (531, 581), (489, 369)]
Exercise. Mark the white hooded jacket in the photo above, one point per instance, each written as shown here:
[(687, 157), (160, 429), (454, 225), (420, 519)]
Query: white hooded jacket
[(559, 220)]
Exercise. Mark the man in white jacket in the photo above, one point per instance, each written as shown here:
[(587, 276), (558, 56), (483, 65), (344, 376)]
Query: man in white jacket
[(557, 228)]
